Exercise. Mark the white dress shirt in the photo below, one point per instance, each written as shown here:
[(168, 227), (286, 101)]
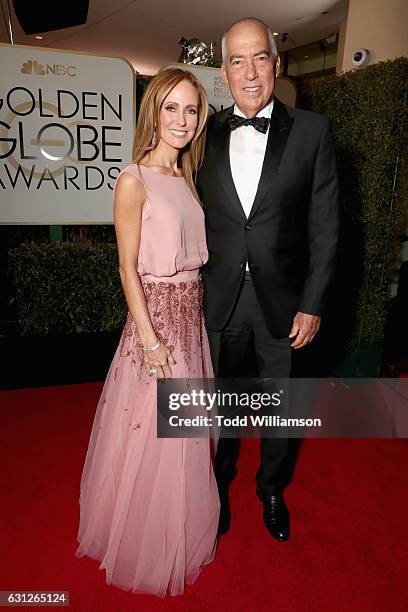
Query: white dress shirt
[(247, 152)]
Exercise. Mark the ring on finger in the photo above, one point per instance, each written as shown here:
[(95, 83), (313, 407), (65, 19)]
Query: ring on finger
[(152, 371)]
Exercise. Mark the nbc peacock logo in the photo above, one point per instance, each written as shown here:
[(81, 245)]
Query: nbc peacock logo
[(58, 70), (32, 67)]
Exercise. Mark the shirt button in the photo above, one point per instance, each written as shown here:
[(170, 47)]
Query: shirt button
[(247, 227), (241, 265)]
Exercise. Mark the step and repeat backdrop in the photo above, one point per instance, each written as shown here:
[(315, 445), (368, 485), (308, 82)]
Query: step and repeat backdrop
[(66, 131)]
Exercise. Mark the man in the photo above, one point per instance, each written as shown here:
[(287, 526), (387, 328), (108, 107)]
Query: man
[(270, 195)]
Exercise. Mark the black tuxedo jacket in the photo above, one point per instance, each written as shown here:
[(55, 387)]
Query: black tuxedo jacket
[(290, 237)]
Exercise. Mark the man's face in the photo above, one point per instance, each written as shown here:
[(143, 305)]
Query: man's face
[(250, 69)]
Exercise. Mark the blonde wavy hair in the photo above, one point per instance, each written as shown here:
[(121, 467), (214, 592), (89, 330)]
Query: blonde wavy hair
[(191, 157)]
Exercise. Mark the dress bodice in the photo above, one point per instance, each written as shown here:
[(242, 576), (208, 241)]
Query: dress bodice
[(173, 231)]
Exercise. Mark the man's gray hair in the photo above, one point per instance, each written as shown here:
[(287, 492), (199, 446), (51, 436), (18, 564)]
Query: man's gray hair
[(272, 42)]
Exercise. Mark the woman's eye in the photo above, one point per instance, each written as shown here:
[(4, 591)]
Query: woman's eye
[(170, 108), (192, 111)]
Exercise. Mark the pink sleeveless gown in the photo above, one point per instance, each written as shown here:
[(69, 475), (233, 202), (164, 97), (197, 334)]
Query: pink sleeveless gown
[(149, 507)]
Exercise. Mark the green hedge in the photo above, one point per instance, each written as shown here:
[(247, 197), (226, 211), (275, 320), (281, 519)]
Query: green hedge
[(67, 288), (368, 110)]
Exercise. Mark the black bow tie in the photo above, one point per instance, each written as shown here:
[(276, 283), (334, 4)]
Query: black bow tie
[(259, 123)]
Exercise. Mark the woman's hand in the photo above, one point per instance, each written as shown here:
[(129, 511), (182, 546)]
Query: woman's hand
[(160, 361)]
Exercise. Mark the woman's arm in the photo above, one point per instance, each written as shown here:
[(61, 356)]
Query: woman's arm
[(130, 197)]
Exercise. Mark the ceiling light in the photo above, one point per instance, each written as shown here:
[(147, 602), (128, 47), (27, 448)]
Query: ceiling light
[(306, 56), (276, 33), (39, 37), (331, 38)]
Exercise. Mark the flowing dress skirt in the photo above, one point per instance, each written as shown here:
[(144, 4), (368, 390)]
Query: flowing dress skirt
[(149, 507)]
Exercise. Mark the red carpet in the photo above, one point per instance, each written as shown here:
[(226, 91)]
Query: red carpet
[(349, 505)]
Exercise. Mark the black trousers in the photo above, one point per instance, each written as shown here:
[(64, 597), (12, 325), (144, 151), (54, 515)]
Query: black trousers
[(246, 338)]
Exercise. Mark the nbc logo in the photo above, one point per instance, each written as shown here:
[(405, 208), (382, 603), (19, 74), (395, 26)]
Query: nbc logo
[(32, 67)]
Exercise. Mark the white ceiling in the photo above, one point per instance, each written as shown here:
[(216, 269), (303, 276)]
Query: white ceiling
[(146, 32)]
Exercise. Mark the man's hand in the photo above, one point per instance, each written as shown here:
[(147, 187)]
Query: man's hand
[(305, 326)]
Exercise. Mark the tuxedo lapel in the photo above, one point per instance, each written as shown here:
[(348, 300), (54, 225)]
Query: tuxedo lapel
[(279, 130), (222, 134)]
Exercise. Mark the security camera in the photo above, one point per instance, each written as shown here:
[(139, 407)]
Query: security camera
[(361, 57)]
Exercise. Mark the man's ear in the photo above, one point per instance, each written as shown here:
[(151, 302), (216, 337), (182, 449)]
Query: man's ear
[(277, 67), (224, 74)]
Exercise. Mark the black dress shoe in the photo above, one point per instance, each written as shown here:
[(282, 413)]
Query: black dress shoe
[(275, 515), (224, 522)]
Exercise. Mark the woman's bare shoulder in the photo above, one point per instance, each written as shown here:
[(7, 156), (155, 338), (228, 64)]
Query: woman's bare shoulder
[(129, 191)]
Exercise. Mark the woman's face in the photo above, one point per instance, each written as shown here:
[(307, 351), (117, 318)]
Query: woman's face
[(179, 115)]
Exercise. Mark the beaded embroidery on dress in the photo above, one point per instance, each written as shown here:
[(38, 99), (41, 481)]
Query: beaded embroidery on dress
[(149, 507)]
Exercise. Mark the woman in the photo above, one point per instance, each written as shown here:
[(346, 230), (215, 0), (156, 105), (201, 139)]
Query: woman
[(149, 506)]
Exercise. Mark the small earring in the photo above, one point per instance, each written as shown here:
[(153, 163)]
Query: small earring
[(154, 139)]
